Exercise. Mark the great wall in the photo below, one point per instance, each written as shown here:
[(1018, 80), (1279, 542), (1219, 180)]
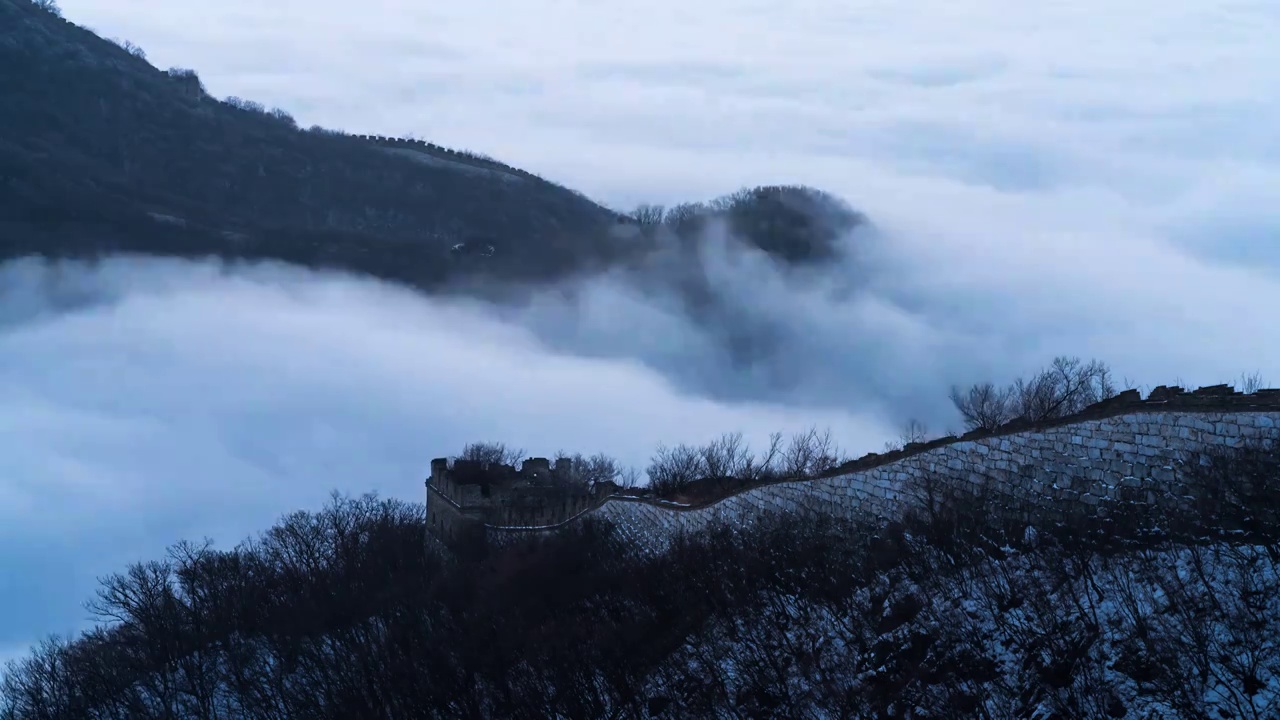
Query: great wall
[(1127, 450), (438, 155)]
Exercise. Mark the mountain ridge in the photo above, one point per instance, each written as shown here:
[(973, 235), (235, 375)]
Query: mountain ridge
[(102, 153)]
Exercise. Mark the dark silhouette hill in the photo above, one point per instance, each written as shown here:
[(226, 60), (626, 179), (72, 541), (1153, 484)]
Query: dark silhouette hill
[(101, 152)]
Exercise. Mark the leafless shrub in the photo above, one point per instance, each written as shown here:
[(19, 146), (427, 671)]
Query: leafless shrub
[(726, 456), (131, 48), (582, 470), (1250, 383), (246, 105), (1067, 386), (628, 478), (913, 431), (729, 456), (1195, 628), (648, 216), (673, 468), (685, 217), (491, 453), (283, 116), (811, 453), (766, 466), (983, 406)]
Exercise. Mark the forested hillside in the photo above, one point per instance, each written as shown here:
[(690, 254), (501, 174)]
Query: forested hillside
[(340, 614), (101, 152)]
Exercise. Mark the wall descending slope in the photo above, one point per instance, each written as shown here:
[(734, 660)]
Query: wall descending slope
[(1127, 450)]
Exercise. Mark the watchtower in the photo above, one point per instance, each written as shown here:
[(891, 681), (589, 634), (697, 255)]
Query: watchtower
[(465, 497)]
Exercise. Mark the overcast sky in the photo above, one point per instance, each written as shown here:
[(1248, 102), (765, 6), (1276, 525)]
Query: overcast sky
[(1047, 177)]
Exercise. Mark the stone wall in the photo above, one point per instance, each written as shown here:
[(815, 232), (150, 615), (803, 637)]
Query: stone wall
[(1127, 450), (439, 151)]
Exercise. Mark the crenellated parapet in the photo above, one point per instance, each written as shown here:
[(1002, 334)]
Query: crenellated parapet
[(466, 496)]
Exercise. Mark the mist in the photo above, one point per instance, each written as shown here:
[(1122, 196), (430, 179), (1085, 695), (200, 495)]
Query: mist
[(143, 401), (911, 311)]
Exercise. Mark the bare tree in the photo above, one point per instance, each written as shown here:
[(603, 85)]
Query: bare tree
[(320, 130), (491, 453), (1251, 383), (583, 470), (730, 456), (983, 406), (628, 478), (647, 216), (284, 117), (131, 48), (766, 466), (671, 468), (913, 431), (811, 453), (685, 217), (247, 105), (727, 456), (1066, 387)]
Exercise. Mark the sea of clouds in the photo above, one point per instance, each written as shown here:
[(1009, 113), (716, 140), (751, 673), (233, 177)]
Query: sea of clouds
[(1044, 179)]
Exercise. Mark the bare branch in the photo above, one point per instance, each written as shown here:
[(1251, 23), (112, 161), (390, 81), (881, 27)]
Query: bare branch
[(1066, 387), (983, 406), (913, 431), (1250, 383), (491, 453)]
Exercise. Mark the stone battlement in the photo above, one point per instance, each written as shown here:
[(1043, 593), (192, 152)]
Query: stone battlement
[(465, 496)]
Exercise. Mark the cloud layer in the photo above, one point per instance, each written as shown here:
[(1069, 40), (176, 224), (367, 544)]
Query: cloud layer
[(146, 401), (1068, 178)]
